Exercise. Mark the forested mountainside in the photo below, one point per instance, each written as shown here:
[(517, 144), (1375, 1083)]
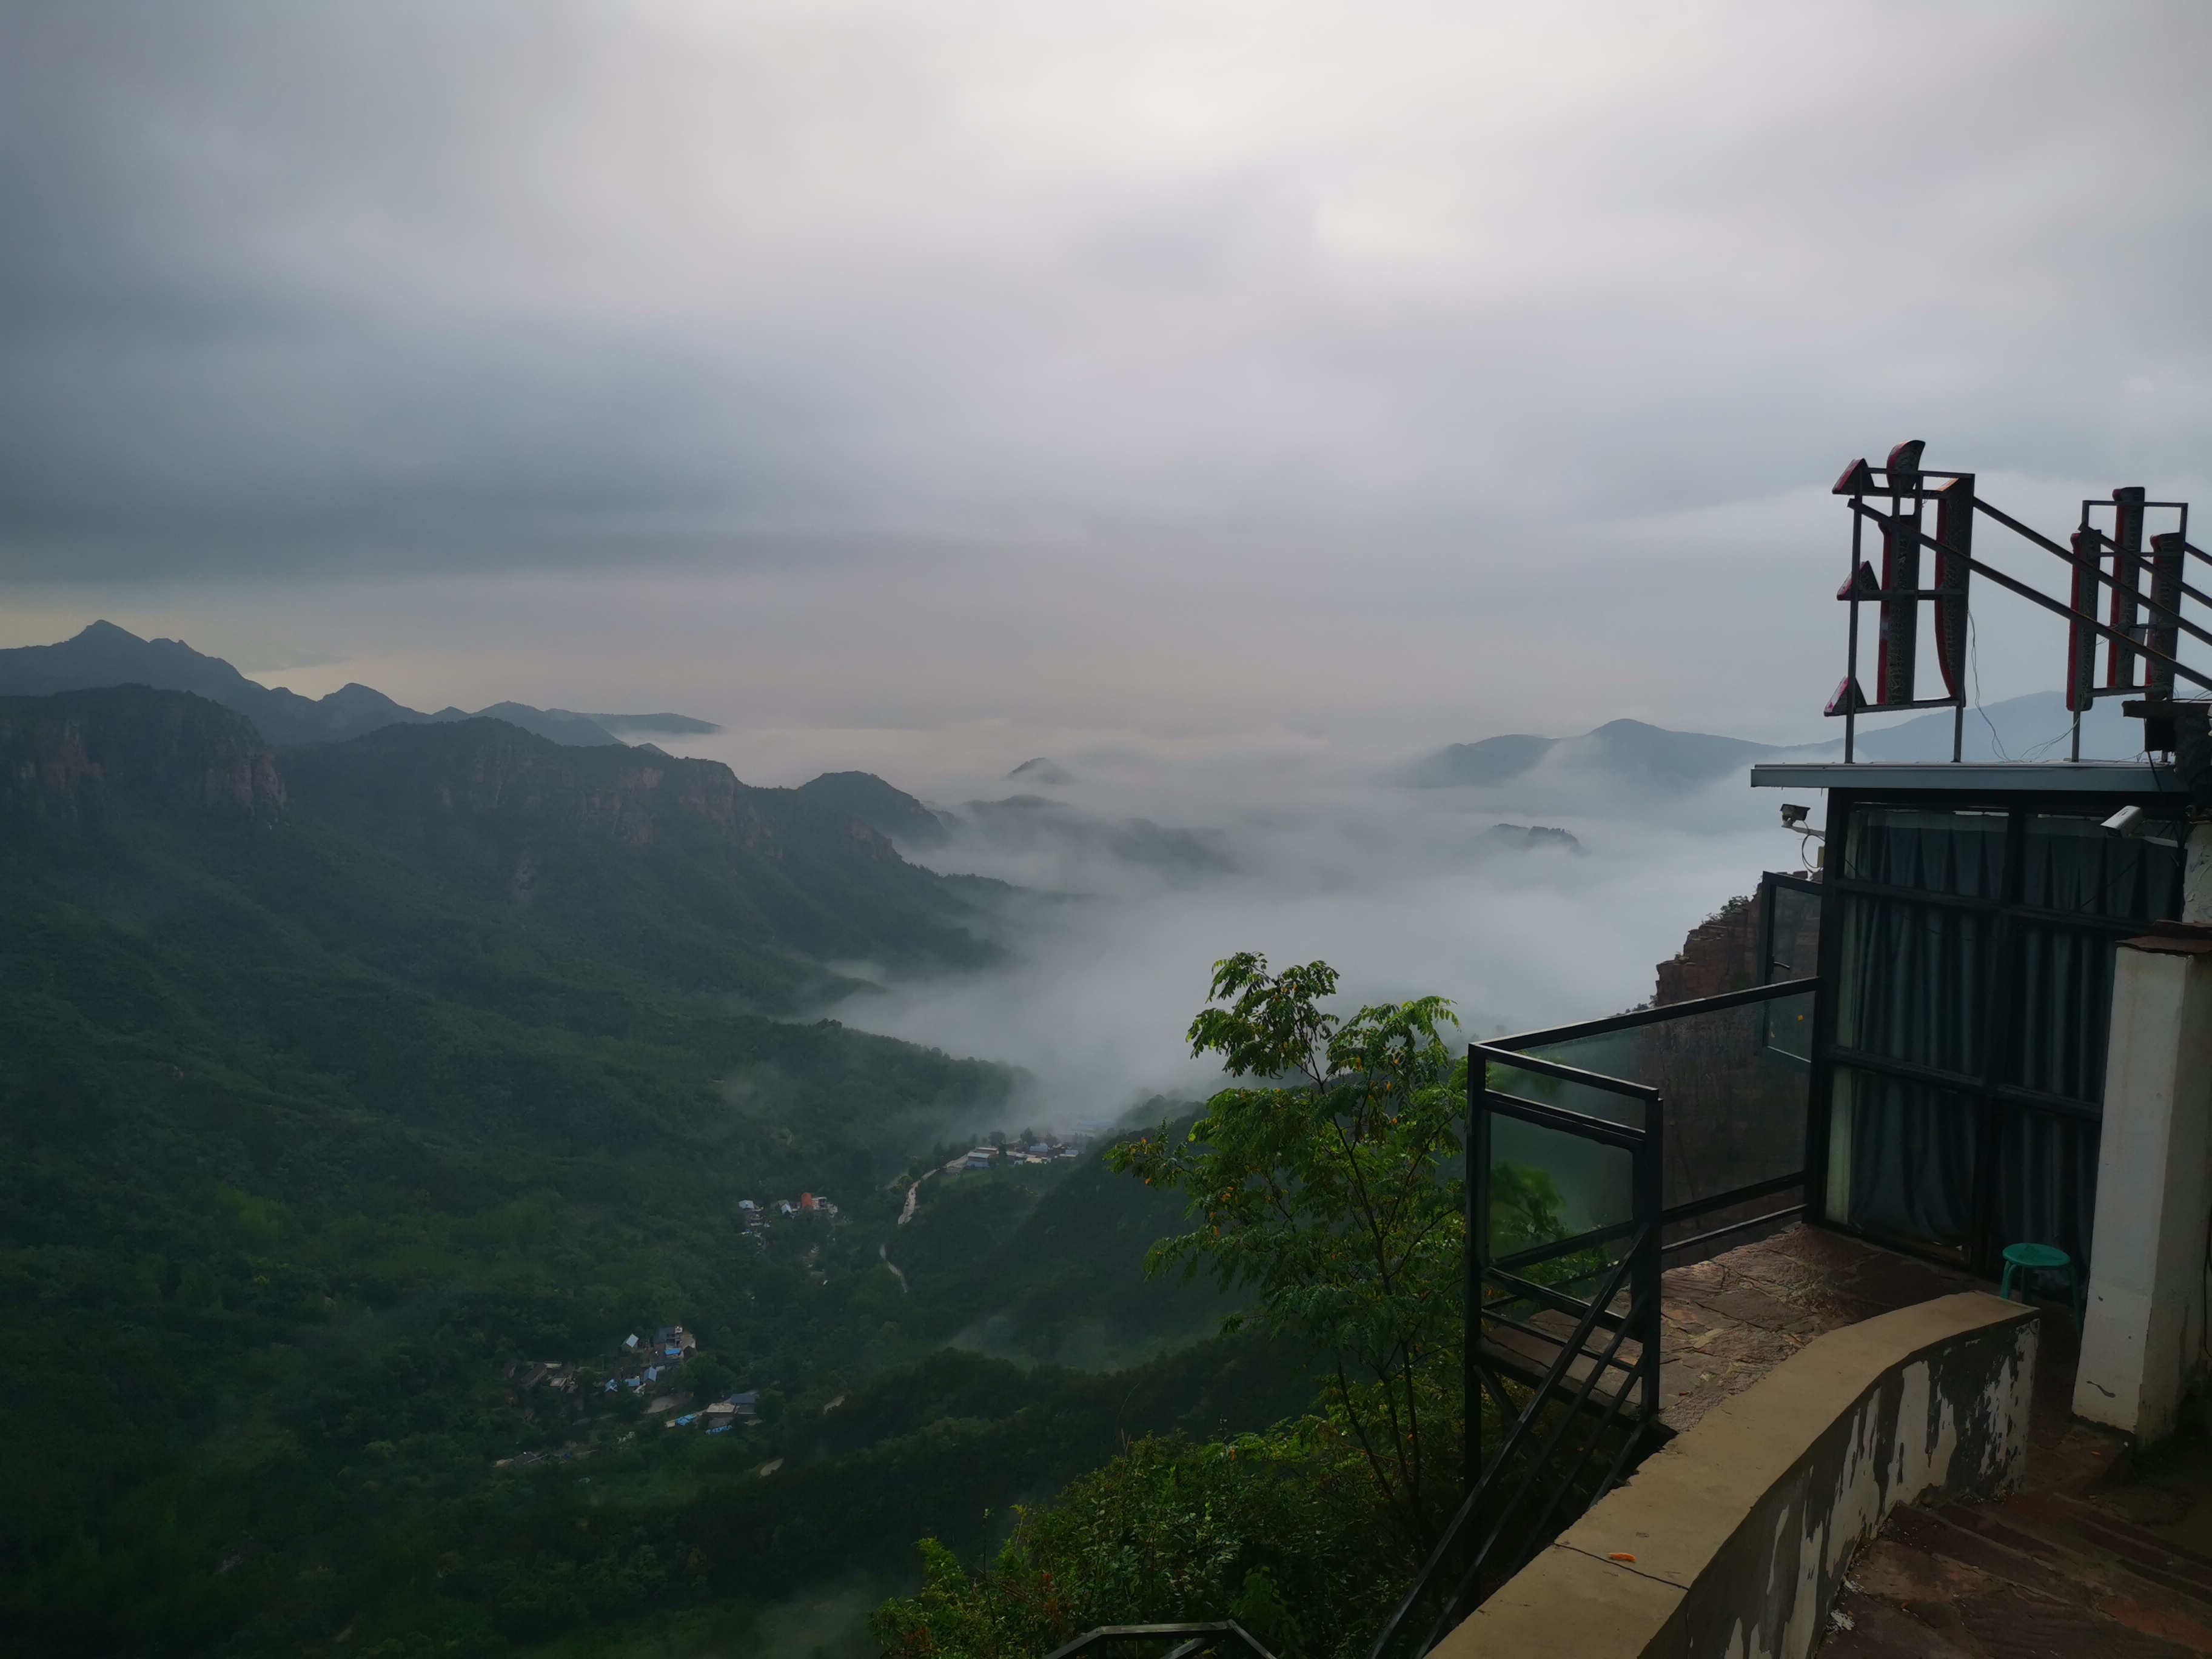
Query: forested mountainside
[(671, 866), (692, 879), (343, 1089)]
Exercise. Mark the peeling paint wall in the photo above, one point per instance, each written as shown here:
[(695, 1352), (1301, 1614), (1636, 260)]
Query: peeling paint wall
[(1731, 1542), (1954, 1421)]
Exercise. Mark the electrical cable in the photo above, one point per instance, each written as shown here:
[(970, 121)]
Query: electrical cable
[(1974, 671)]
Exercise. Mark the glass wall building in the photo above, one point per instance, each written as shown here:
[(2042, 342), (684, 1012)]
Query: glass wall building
[(1968, 923)]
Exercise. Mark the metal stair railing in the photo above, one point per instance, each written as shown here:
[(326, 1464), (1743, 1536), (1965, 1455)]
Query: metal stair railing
[(1581, 1421), (1562, 1335), (1198, 1637), (1579, 1424)]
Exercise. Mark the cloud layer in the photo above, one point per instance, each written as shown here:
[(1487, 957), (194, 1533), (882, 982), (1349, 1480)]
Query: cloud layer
[(1405, 891), (554, 283)]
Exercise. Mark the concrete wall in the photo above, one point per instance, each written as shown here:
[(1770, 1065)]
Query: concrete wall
[(2144, 1341), (1731, 1542)]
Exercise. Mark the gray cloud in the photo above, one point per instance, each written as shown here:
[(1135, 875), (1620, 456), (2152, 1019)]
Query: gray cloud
[(420, 288)]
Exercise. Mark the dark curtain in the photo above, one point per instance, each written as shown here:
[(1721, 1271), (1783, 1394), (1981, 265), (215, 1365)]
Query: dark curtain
[(1961, 852), (1913, 983), (2065, 1002), (2045, 1179), (2076, 865), (1912, 1161)]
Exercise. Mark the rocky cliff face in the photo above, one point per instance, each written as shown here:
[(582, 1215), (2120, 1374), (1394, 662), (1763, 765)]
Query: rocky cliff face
[(77, 758), (1721, 953), (488, 773)]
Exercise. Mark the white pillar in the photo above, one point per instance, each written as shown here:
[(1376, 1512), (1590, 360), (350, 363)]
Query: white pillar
[(2144, 1341), (2196, 873)]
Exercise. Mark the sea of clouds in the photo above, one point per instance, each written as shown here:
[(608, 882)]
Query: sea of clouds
[(1148, 861)]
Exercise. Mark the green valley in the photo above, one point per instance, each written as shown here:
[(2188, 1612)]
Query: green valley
[(343, 1087)]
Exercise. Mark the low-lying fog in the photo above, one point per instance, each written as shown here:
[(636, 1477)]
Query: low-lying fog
[(1141, 863)]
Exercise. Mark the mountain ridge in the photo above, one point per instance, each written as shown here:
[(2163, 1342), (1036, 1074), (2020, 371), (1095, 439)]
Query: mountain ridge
[(673, 866), (103, 654), (2014, 728), (1668, 758)]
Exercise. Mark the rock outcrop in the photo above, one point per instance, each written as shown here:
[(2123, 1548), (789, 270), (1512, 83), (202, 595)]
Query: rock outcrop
[(77, 758), (1721, 953)]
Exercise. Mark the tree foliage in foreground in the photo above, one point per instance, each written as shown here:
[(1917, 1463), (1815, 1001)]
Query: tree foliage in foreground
[(1326, 1187), (1256, 1529)]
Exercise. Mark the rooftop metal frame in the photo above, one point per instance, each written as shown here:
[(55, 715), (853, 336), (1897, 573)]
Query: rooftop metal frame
[(2150, 780), (2144, 589)]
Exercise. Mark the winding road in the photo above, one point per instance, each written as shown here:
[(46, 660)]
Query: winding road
[(914, 1199)]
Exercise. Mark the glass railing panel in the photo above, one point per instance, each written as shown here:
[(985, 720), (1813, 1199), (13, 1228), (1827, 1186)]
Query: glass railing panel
[(1789, 1032), (1792, 934), (1610, 1056), (1548, 1184), (1736, 1083)]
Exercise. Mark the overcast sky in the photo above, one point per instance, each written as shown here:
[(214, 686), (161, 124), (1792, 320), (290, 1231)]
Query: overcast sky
[(1374, 372)]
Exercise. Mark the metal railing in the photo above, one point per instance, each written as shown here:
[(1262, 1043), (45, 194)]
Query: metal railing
[(1183, 1641), (1562, 1340), (1562, 1331)]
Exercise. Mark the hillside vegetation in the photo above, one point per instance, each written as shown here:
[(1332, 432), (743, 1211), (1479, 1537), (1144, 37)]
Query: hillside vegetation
[(343, 1087)]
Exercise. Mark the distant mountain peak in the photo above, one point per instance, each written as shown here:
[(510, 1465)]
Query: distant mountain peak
[(674, 726), (884, 809), (1041, 770), (577, 730), (1672, 760), (1528, 837), (103, 654), (1492, 760)]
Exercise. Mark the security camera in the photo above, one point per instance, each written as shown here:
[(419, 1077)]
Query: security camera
[(1799, 819), (2129, 821)]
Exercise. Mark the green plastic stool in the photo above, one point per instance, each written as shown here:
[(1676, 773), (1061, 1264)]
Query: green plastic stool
[(2029, 1260)]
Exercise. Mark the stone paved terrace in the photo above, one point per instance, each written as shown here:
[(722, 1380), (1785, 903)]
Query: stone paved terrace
[(2106, 1552), (1727, 1322)]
